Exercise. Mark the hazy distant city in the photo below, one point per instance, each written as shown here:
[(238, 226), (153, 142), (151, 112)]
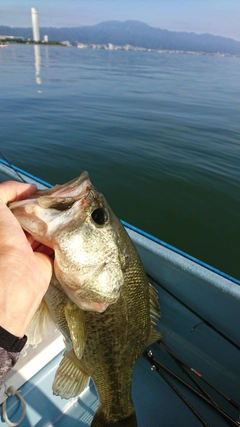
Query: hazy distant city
[(110, 46)]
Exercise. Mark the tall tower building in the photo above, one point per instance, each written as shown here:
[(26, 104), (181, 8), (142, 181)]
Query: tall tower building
[(35, 26)]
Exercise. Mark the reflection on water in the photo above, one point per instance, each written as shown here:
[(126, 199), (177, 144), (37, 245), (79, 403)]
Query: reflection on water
[(46, 56), (37, 55)]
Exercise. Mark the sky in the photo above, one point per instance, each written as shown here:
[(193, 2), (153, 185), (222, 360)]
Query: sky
[(218, 17)]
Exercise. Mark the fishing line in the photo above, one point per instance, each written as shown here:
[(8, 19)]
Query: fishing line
[(11, 166), (196, 314)]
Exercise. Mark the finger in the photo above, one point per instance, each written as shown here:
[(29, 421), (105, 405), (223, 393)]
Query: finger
[(32, 242), (10, 228), (37, 246), (44, 249), (13, 190), (45, 265)]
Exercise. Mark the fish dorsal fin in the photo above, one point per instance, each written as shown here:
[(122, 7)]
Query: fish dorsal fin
[(41, 326), (154, 336), (77, 327), (69, 380), (155, 314)]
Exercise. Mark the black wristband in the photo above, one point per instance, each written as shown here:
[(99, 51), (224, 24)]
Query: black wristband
[(10, 342)]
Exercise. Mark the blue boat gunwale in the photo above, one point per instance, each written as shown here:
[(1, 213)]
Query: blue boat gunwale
[(137, 230)]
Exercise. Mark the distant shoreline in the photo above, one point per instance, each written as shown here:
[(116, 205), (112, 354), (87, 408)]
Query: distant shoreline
[(112, 47), (8, 41)]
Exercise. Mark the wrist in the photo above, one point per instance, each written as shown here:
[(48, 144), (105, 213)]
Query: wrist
[(14, 325), (11, 342)]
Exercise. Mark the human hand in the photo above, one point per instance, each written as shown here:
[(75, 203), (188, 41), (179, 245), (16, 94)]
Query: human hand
[(25, 267)]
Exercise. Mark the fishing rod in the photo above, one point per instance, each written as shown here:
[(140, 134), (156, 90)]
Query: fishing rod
[(199, 375), (189, 374), (157, 365), (156, 368)]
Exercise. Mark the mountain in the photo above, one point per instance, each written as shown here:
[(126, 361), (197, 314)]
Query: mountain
[(134, 33)]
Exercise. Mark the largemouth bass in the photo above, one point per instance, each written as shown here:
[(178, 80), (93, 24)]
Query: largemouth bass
[(99, 296)]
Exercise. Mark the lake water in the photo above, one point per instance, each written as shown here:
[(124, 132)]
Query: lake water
[(158, 133)]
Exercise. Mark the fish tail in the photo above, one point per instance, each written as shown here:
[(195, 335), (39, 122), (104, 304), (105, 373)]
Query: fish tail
[(100, 420)]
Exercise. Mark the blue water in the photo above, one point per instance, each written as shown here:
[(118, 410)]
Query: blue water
[(158, 133)]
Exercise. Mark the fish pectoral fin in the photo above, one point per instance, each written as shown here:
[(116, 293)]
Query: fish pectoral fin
[(69, 380), (77, 328), (41, 326)]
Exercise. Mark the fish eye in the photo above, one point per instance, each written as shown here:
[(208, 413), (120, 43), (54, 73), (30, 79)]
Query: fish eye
[(100, 216)]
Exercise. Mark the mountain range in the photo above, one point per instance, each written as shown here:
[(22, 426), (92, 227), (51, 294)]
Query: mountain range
[(134, 33)]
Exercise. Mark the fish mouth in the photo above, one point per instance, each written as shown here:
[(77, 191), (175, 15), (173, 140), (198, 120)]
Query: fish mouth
[(60, 197), (41, 214), (73, 189)]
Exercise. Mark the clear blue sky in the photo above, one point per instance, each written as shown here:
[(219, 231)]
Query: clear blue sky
[(219, 17)]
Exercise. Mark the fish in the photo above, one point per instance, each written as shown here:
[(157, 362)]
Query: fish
[(99, 296)]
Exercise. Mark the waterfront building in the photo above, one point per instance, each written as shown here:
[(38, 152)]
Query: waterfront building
[(66, 43), (82, 45), (35, 26)]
